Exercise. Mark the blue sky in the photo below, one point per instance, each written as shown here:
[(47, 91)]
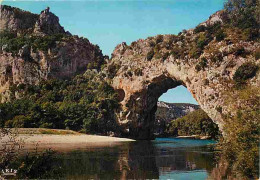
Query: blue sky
[(110, 22)]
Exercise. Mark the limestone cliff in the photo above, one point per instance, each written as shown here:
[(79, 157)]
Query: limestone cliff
[(204, 60), (36, 47)]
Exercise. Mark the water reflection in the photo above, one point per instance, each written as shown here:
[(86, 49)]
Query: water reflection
[(163, 158), (184, 159)]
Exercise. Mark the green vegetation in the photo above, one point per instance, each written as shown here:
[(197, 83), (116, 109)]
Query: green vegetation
[(159, 39), (112, 69), (165, 56), (205, 36), (14, 43), (245, 71), (195, 123), (240, 145), (150, 55), (85, 103), (220, 35), (244, 14), (200, 28), (202, 64)]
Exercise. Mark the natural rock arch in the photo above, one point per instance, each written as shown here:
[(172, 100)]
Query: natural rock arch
[(144, 76), (142, 92)]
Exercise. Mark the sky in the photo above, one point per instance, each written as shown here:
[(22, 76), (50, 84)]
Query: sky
[(110, 22)]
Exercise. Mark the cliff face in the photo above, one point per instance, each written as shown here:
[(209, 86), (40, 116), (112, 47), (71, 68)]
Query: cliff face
[(166, 112), (170, 111), (204, 60), (14, 19), (36, 47)]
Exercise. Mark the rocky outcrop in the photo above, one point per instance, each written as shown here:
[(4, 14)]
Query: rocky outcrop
[(48, 51), (201, 61), (48, 23), (166, 112), (17, 20)]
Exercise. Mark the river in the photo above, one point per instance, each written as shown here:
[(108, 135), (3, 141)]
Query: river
[(162, 158)]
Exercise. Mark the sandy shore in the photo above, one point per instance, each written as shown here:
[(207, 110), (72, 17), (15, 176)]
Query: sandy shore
[(63, 139), (64, 142)]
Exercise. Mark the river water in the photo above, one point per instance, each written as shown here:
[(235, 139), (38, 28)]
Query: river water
[(163, 158)]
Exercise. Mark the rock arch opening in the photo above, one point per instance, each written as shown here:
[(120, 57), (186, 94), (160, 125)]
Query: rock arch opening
[(139, 108)]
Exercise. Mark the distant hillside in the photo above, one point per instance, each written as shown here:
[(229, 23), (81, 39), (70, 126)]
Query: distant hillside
[(166, 112)]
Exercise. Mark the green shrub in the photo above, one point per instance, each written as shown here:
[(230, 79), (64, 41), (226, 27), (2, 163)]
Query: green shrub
[(133, 44), (220, 35), (199, 28), (217, 57), (202, 64), (159, 39), (240, 51), (151, 43), (150, 55), (213, 29), (129, 73), (198, 46), (202, 41), (112, 70), (198, 67), (245, 71), (165, 56), (177, 52), (195, 52), (171, 39)]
